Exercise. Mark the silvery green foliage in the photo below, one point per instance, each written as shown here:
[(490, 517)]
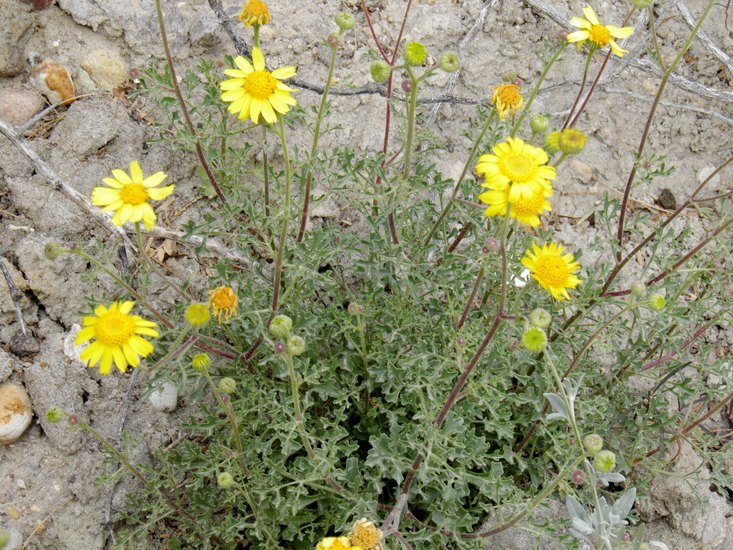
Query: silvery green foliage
[(600, 527), (558, 404)]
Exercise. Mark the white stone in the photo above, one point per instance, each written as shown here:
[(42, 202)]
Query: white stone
[(15, 412), (165, 397), (71, 350)]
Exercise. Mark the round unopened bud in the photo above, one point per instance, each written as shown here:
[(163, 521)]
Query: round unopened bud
[(333, 40), (279, 347), (201, 362), (638, 289), (593, 443), (380, 71), (644, 546), (197, 315), (492, 245), (552, 142), (415, 53), (509, 76), (225, 480), (73, 420), (280, 326), (534, 339), (345, 21), (626, 537), (578, 477), (4, 538), (227, 385), (656, 302), (460, 341), (540, 318), (225, 397), (55, 415), (51, 251), (355, 309), (539, 123), (296, 346), (406, 85), (572, 141), (642, 4), (450, 62), (604, 462)]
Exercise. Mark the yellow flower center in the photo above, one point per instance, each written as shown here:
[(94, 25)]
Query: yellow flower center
[(552, 271), (114, 328), (134, 194), (532, 205), (260, 84), (508, 95), (517, 167), (600, 35)]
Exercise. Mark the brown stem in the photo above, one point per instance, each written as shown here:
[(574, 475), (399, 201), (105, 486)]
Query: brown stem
[(471, 298), (686, 344), (182, 104)]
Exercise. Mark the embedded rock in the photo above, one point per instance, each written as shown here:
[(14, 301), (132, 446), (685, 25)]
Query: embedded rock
[(106, 69), (54, 81), (16, 412), (18, 105), (16, 22), (164, 397)]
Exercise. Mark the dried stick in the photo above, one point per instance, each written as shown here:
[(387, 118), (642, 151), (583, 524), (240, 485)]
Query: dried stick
[(14, 294)]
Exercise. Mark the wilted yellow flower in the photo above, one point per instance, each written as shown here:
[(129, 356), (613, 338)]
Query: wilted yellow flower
[(552, 269), (525, 209), (366, 535), (592, 30), (255, 12), (116, 336), (254, 91), (507, 99), (128, 195), (223, 302), (571, 141), (521, 166)]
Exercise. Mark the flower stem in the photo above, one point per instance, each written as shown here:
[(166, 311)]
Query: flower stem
[(456, 188), (314, 146), (182, 104), (591, 51)]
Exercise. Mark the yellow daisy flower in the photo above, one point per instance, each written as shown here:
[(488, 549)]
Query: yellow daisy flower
[(254, 91), (336, 543), (552, 269), (255, 12), (223, 302), (519, 164), (128, 195), (601, 35), (507, 99), (366, 535), (117, 337), (525, 209)]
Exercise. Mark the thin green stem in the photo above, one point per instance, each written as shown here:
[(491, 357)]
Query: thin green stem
[(295, 393), (314, 146), (647, 126), (536, 89), (466, 166), (653, 31), (266, 179)]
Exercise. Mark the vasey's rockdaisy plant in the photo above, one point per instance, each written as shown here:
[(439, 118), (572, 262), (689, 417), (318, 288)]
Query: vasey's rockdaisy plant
[(128, 195), (254, 91), (526, 209), (596, 33), (117, 335), (552, 269)]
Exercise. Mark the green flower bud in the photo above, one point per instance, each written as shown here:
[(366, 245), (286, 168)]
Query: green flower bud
[(197, 315), (201, 362), (509, 76), (380, 71), (638, 289), (227, 385), (449, 62), (593, 443), (296, 346), (55, 415), (415, 53), (345, 21), (540, 318), (642, 4), (539, 123), (4, 538), (552, 142), (52, 251), (604, 462), (333, 40), (225, 480), (572, 141), (355, 309), (656, 302), (280, 326), (534, 339), (644, 546)]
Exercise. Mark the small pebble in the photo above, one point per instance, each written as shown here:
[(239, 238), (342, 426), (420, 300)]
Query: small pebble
[(106, 68), (18, 105), (667, 200), (582, 170), (20, 484), (165, 397), (12, 512), (16, 412), (53, 81)]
